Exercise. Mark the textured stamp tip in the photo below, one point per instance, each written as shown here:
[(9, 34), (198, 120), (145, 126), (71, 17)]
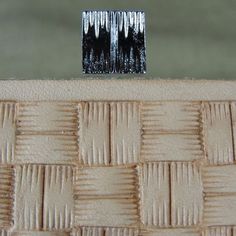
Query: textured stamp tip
[(113, 42)]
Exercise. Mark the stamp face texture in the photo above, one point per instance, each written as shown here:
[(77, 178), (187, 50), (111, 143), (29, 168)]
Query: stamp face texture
[(113, 42), (122, 167)]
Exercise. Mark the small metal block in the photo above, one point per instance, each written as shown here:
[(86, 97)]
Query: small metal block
[(113, 42)]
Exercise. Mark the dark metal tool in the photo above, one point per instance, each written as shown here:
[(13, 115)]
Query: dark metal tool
[(114, 42)]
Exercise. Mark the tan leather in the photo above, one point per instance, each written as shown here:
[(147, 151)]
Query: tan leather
[(110, 157)]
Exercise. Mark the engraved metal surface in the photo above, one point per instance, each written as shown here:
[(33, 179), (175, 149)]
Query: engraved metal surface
[(113, 42)]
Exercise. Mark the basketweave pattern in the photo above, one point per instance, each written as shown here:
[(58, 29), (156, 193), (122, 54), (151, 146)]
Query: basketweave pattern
[(117, 168)]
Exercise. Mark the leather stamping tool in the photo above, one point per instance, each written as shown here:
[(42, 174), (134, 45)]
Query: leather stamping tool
[(113, 42)]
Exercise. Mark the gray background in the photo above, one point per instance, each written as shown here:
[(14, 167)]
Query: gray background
[(185, 38)]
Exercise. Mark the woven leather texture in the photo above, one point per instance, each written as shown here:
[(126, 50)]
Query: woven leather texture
[(117, 168)]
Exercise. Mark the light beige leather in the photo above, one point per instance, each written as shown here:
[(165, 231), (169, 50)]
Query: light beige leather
[(118, 158)]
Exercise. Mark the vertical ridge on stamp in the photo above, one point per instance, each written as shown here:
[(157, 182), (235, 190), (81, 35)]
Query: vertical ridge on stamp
[(101, 19), (233, 122), (114, 40), (155, 207), (40, 233), (125, 133), (121, 232), (5, 233), (28, 197), (218, 231), (6, 196), (58, 184), (89, 231), (7, 131), (104, 231), (94, 133), (172, 232), (187, 197), (98, 19), (217, 119)]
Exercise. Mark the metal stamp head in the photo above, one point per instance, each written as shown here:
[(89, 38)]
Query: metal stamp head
[(114, 42)]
